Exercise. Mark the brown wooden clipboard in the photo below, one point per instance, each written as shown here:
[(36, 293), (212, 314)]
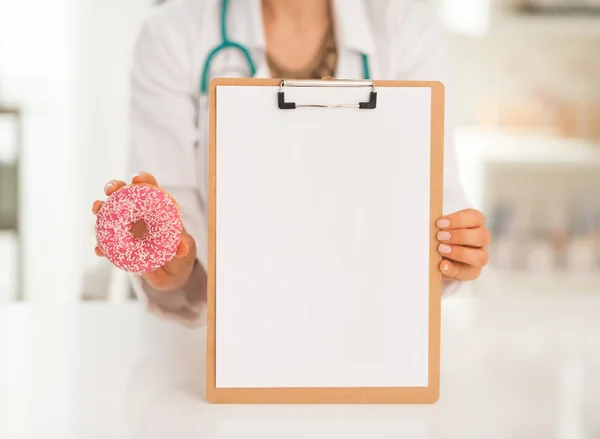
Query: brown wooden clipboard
[(336, 395)]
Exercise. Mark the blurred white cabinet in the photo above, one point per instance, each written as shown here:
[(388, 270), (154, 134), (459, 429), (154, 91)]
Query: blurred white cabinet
[(11, 262), (66, 63), (552, 186), (479, 151), (480, 18), (9, 280), (467, 17)]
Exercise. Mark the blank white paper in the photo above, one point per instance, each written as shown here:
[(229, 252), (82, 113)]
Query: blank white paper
[(322, 249)]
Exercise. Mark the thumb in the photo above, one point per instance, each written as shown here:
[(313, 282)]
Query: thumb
[(185, 255), (458, 270)]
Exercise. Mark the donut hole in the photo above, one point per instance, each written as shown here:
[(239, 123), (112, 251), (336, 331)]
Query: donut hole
[(139, 229)]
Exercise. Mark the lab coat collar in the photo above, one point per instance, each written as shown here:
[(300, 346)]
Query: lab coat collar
[(353, 27), (245, 23)]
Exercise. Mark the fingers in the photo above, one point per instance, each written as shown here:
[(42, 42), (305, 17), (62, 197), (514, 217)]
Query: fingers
[(162, 280), (187, 248), (96, 206), (109, 188), (175, 274), (144, 177), (472, 256), (98, 251), (158, 279), (459, 271), (112, 186), (183, 262), (185, 256), (465, 219), (479, 237), (463, 238)]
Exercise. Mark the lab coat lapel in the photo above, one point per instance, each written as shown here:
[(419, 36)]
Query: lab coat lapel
[(245, 27), (262, 67), (354, 35)]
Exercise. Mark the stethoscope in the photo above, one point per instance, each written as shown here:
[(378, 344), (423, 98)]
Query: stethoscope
[(226, 43)]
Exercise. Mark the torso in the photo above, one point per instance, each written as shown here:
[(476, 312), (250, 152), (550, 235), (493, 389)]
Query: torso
[(192, 31)]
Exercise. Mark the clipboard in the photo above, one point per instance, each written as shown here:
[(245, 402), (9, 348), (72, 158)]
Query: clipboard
[(303, 177)]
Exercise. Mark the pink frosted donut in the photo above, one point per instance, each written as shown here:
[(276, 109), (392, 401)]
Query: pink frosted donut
[(139, 228)]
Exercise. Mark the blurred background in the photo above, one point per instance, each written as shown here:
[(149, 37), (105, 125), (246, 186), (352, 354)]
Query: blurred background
[(527, 76)]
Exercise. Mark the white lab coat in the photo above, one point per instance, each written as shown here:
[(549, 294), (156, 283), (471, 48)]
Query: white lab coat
[(169, 117)]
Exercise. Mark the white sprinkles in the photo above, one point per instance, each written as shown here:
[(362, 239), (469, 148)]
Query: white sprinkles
[(124, 208)]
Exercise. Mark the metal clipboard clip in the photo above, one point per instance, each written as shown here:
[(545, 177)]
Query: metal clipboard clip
[(371, 104)]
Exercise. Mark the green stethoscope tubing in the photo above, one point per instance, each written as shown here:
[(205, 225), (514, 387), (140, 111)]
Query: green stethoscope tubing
[(226, 43)]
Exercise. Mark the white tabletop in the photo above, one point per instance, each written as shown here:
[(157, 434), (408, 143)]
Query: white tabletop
[(511, 368)]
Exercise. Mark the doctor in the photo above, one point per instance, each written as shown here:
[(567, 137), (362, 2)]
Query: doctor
[(187, 42)]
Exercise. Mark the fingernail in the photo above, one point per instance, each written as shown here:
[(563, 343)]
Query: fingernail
[(445, 266), (443, 248), (107, 186), (443, 223), (443, 236), (186, 251)]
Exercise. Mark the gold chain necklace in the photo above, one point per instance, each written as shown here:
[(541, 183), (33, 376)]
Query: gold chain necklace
[(322, 65)]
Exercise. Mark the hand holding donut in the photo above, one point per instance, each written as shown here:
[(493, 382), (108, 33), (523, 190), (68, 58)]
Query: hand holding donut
[(174, 273)]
